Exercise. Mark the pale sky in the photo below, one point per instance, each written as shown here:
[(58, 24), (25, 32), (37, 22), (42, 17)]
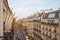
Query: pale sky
[(24, 8)]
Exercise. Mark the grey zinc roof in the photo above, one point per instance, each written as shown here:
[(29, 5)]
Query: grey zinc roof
[(54, 12)]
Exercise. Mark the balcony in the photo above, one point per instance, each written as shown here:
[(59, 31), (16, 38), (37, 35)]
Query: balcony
[(50, 23), (55, 23), (37, 29), (37, 36)]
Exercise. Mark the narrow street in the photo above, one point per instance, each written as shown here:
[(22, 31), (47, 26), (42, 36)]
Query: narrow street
[(18, 33)]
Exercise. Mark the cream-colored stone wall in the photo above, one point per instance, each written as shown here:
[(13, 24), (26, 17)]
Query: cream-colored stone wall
[(8, 16), (1, 18), (47, 30)]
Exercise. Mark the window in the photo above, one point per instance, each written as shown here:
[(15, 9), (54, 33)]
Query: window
[(55, 31), (43, 27), (46, 29), (49, 36), (46, 34), (49, 29), (51, 15), (42, 33)]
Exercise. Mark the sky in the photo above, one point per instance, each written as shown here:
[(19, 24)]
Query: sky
[(25, 8)]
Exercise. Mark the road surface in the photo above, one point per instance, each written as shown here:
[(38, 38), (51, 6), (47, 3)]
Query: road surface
[(18, 33)]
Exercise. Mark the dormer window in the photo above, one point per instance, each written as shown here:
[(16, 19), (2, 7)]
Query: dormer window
[(51, 15)]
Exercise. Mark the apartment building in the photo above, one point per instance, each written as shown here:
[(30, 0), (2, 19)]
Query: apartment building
[(28, 23), (44, 25), (1, 18), (28, 26), (6, 18), (48, 26), (37, 27)]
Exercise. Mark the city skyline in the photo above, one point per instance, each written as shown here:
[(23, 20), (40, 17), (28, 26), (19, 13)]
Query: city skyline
[(24, 8)]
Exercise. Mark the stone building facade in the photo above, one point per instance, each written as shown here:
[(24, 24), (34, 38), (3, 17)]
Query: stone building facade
[(6, 18), (44, 26)]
